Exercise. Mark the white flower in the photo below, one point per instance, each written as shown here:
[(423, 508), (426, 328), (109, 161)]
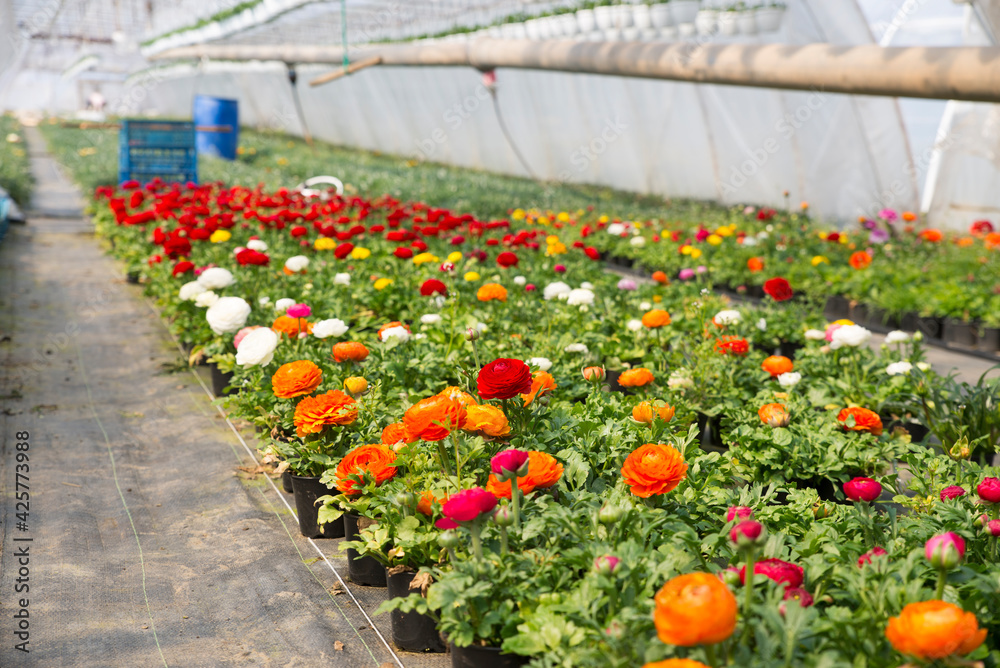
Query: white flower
[(727, 317), (897, 336), (264, 301), (419, 337), (190, 290), (481, 327), (616, 229), (543, 363), (645, 306), (850, 335), (923, 366), (637, 242), (257, 347), (556, 290), (342, 278), (430, 318), (634, 325), (257, 245), (331, 327), (789, 379), (899, 368), (580, 296), (749, 241), (282, 304), (227, 315), (575, 348), (297, 263), (206, 299), (438, 301), (520, 280), (815, 335), (399, 332), (216, 278), (679, 380), (587, 285), (762, 325)]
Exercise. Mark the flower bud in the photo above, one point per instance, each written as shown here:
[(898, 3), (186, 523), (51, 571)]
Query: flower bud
[(355, 384), (606, 565), (945, 551), (406, 500), (917, 336), (738, 513), (961, 449), (471, 334), (594, 373), (449, 539), (731, 576), (862, 489), (993, 528), (610, 514), (867, 557), (503, 516), (952, 492), (821, 510), (748, 533)]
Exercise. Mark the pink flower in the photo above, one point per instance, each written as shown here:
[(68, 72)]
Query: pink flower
[(686, 274), (559, 269), (298, 311), (466, 506), (738, 512), (702, 234), (866, 558), (505, 464), (952, 492), (862, 489), (830, 330), (701, 269), (607, 564), (780, 571), (530, 287), (989, 490), (799, 594), (945, 550), (993, 528), (747, 532)]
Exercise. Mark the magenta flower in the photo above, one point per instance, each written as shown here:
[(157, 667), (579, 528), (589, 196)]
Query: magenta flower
[(993, 528), (952, 492), (465, 506), (989, 490), (782, 572), (559, 269), (627, 284), (888, 215), (508, 463), (862, 489), (700, 269), (298, 311), (945, 550), (738, 512), (866, 558), (530, 287), (686, 274), (702, 234)]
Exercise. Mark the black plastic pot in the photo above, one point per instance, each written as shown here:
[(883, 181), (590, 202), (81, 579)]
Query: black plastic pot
[(286, 481), (858, 313), (710, 433), (878, 317), (825, 487), (929, 326), (611, 377), (836, 307), (988, 340), (959, 333), (306, 490), (220, 381), (361, 570), (411, 631), (789, 349), (475, 656), (132, 277), (755, 291)]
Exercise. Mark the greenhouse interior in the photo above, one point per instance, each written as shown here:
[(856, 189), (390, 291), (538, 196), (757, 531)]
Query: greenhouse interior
[(496, 333)]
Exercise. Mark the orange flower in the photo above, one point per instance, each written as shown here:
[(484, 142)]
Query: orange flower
[(349, 351), (934, 630), (656, 318), (314, 413), (290, 327), (635, 377), (433, 418), (774, 415), (864, 420), (755, 264), (661, 278), (295, 379), (694, 609), (931, 235), (777, 365), (676, 663), (909, 216), (541, 384), (492, 291), (425, 504), (460, 396), (860, 260), (375, 459), (992, 240), (643, 412), (965, 242), (488, 419), (654, 468), (544, 471), (395, 433), (732, 345)]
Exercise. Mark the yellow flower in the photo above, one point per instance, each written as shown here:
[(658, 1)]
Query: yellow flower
[(843, 321), (686, 249), (518, 214), (424, 257), (822, 235), (637, 225), (543, 220), (563, 217), (843, 239), (455, 257), (556, 249), (603, 219), (471, 276), (695, 253), (820, 259), (325, 243), (282, 161), (360, 253), (219, 236), (355, 384), (551, 239), (714, 239), (580, 212), (657, 299), (725, 231), (383, 283)]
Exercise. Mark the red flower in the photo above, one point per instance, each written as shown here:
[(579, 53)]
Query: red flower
[(183, 267), (504, 378), (732, 345), (592, 253), (507, 259), (177, 246), (298, 231), (247, 257), (866, 558), (433, 286), (989, 490), (780, 571), (862, 489), (403, 253), (343, 250), (778, 288)]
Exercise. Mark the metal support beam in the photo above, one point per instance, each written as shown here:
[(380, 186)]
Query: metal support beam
[(946, 73)]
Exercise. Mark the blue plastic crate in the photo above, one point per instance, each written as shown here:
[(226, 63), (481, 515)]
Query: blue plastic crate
[(149, 149)]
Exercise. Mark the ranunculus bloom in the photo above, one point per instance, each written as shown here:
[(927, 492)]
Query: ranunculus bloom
[(656, 318), (257, 347), (653, 468), (594, 373), (952, 492), (989, 490), (732, 345), (298, 311), (774, 415), (227, 315), (465, 506), (694, 609), (291, 327), (349, 351), (215, 278), (396, 433), (459, 395), (635, 377), (544, 471), (312, 414), (644, 410), (434, 418), (329, 327), (508, 461), (375, 460), (295, 379), (782, 572), (491, 292), (486, 419), (542, 383), (777, 365), (738, 513), (860, 260), (934, 630), (799, 594), (866, 558), (425, 504), (242, 334), (778, 289), (433, 286), (504, 378), (862, 489), (249, 256), (660, 277), (507, 259), (864, 420)]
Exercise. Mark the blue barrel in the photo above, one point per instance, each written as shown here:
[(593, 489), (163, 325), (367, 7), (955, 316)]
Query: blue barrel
[(217, 126)]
